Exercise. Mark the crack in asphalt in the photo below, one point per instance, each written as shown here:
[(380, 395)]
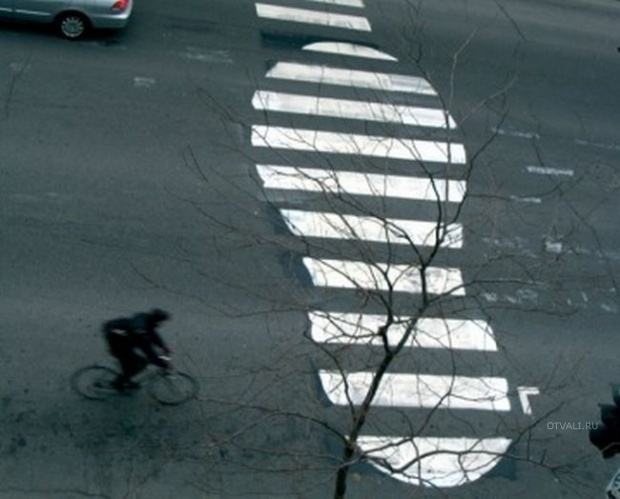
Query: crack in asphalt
[(511, 19)]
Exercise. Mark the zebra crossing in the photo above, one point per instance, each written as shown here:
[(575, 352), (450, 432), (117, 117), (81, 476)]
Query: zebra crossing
[(437, 461)]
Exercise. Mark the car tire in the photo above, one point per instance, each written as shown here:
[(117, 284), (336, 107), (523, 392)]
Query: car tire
[(72, 25)]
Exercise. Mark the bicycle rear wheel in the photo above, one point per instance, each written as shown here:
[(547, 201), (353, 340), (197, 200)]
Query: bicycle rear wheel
[(94, 382), (173, 388)]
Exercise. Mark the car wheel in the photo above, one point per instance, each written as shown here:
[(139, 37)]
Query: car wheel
[(72, 25)]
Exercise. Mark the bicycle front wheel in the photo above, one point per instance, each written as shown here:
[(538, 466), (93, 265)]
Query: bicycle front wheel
[(94, 382), (173, 388)]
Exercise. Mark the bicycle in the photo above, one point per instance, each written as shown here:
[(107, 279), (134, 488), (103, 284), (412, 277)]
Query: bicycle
[(166, 386)]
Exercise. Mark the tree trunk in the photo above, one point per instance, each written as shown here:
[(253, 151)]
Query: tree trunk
[(343, 472)]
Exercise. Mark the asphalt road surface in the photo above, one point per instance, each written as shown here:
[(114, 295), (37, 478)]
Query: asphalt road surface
[(147, 167)]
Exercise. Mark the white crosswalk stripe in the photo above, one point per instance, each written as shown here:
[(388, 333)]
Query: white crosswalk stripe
[(421, 464), (417, 390), (327, 75), (356, 144), (348, 49), (374, 229), (361, 184), (347, 3), (349, 274), (351, 109), (361, 329), (308, 16)]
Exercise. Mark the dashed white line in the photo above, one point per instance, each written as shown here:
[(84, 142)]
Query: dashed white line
[(209, 56), (516, 133), (293, 14), (435, 461), (350, 78), (374, 229), (419, 390), (351, 109), (349, 49), (362, 329), (552, 246), (355, 144), (541, 170), (530, 200), (490, 297), (609, 307), (143, 82), (350, 274), (362, 184), (598, 145), (524, 296)]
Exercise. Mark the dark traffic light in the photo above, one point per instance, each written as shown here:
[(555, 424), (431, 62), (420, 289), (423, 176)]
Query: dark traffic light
[(606, 437)]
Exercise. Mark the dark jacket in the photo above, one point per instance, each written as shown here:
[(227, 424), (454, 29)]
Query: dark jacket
[(126, 335)]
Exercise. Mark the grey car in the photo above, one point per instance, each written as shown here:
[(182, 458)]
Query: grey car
[(73, 18)]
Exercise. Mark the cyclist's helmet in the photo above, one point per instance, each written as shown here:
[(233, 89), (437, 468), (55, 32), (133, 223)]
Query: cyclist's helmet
[(159, 315)]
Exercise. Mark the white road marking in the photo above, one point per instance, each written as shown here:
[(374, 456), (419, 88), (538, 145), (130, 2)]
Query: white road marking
[(358, 145), (328, 75), (598, 145), (350, 274), (524, 296), (517, 245), (419, 391), (531, 200), (374, 229), (525, 392), (530, 248), (540, 170), (361, 329), (293, 14), (610, 308), (553, 246), (527, 294), (463, 460), (596, 253), (204, 55), (347, 3), (349, 49), (362, 184), (490, 297), (351, 109), (143, 82), (516, 133)]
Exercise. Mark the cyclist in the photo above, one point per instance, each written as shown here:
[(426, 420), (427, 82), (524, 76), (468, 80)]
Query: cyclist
[(134, 341)]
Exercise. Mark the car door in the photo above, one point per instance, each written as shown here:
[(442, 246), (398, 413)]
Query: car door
[(6, 8), (38, 10)]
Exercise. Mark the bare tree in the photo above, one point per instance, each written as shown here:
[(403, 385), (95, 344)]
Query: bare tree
[(391, 292)]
